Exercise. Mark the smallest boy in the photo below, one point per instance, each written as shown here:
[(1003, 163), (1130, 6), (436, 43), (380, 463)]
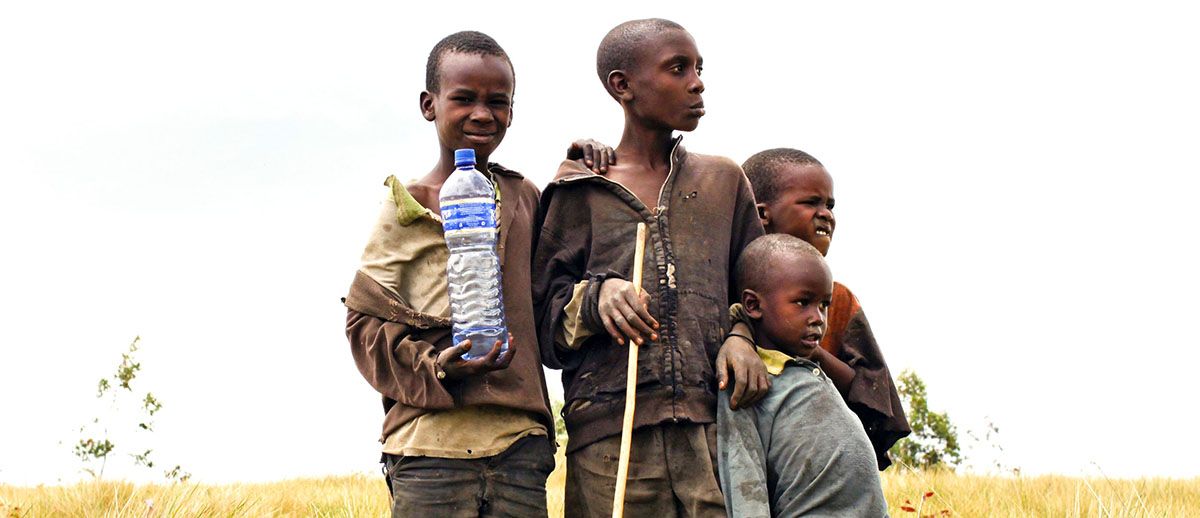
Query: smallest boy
[(800, 451)]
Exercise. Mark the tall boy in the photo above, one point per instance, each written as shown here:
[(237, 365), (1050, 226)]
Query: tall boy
[(700, 214), (800, 451), (795, 197), (460, 438)]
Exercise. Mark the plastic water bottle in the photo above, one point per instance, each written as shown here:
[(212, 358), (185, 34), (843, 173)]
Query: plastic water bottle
[(468, 205)]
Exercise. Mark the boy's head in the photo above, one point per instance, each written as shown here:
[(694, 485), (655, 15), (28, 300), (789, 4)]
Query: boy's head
[(469, 84), (786, 289), (652, 67), (794, 193)]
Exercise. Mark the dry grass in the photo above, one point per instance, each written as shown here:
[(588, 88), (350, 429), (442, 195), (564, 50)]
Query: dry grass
[(975, 495), (359, 495), (356, 495)]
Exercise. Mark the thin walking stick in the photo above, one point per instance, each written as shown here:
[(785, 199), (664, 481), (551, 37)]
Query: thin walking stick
[(630, 385)]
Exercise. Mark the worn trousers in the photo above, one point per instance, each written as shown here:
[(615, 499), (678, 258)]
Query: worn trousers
[(672, 472), (511, 483)]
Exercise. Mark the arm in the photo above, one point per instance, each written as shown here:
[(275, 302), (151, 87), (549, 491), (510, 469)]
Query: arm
[(397, 360), (741, 462), (871, 393), (839, 371), (557, 274), (737, 358)]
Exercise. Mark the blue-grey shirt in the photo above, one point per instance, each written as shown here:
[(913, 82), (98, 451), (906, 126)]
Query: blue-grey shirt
[(799, 452)]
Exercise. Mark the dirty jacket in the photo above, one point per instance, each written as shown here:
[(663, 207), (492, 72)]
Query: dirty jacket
[(704, 218), (398, 313)]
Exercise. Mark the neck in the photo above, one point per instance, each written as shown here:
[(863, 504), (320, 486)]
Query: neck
[(763, 342), (445, 165), (650, 147)]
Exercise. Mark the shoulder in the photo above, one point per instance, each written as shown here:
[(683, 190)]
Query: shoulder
[(718, 172), (843, 294), (713, 164), (503, 171), (842, 308), (514, 180)]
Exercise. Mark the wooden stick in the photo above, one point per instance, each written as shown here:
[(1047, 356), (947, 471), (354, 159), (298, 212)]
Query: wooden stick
[(630, 385)]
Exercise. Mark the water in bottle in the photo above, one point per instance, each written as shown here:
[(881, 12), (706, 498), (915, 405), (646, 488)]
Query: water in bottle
[(468, 204)]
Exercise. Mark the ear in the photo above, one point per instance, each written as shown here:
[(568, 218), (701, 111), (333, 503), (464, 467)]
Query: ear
[(764, 214), (752, 304), (618, 85), (427, 106)]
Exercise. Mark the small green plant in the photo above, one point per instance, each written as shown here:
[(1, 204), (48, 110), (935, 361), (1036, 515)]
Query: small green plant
[(934, 439), (560, 426), (95, 446)]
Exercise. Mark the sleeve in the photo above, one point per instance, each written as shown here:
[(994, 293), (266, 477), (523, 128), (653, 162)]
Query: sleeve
[(741, 461), (738, 313), (558, 267), (746, 228), (872, 394), (573, 333), (396, 360)]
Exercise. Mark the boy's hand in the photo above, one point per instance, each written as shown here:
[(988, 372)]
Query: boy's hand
[(451, 361), (737, 359), (592, 154), (626, 313)]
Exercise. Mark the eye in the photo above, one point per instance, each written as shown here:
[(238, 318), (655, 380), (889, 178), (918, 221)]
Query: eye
[(829, 205), (461, 99), (699, 70), (824, 305), (676, 69)]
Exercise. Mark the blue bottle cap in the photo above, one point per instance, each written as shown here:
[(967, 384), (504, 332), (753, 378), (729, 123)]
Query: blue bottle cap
[(464, 157)]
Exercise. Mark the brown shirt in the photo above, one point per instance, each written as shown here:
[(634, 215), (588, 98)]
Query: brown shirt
[(705, 217), (396, 331)]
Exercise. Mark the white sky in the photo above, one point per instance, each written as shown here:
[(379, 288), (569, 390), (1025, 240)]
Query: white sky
[(1015, 188)]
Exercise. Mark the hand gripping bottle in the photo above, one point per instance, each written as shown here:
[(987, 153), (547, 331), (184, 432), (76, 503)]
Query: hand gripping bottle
[(469, 219)]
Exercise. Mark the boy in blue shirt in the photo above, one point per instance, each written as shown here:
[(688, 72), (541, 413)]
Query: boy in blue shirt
[(800, 451)]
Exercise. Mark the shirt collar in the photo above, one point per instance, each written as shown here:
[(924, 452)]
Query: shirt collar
[(774, 360)]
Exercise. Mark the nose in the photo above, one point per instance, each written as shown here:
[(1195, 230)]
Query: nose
[(825, 213), (816, 317), (481, 113), (697, 86)]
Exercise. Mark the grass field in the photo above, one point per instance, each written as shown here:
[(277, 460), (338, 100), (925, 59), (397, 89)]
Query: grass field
[(948, 495)]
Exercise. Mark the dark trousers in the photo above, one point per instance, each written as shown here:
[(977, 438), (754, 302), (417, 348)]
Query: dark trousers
[(672, 473), (512, 483)]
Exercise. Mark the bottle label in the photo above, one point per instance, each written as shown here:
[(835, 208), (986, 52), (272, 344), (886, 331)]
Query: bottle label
[(469, 214)]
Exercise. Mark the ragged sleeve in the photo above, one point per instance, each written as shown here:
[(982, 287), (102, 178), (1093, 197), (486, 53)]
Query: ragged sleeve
[(558, 265), (394, 347), (872, 394)]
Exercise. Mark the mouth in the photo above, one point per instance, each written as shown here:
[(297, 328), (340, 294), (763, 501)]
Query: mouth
[(824, 232), (697, 109), (479, 138), (811, 340)]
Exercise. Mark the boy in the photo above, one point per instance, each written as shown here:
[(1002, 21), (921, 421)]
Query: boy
[(700, 214), (800, 452), (460, 438), (795, 197)]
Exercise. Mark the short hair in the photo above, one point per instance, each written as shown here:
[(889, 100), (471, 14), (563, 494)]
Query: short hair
[(466, 42), (618, 49), (761, 257), (763, 170)]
